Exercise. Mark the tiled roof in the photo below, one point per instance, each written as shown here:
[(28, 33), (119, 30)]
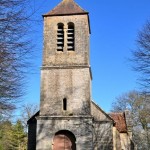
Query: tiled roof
[(120, 121), (66, 7)]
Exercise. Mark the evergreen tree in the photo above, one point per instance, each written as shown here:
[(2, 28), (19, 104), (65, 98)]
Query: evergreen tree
[(12, 136)]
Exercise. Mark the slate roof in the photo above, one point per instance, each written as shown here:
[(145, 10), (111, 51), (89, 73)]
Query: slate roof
[(33, 118), (101, 110), (66, 7), (120, 121)]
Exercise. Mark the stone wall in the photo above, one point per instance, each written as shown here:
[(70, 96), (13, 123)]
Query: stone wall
[(74, 84), (125, 141), (102, 129), (116, 139), (80, 55), (80, 127), (103, 139)]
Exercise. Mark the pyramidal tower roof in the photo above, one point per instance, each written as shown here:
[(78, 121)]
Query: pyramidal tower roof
[(66, 7)]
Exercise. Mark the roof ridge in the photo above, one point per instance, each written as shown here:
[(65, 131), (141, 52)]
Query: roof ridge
[(78, 5), (106, 114), (57, 5), (66, 7)]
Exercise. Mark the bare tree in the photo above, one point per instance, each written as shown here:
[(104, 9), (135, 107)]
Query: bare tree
[(15, 51), (27, 112), (139, 106), (141, 56)]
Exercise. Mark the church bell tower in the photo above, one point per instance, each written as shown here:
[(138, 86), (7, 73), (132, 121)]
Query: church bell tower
[(65, 73), (65, 111)]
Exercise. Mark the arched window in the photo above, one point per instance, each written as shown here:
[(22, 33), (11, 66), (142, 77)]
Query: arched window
[(70, 37), (60, 37), (64, 104)]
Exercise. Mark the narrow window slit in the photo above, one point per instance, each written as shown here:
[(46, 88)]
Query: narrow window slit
[(64, 104)]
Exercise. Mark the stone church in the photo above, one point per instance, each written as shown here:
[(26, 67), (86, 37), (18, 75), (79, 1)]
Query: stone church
[(68, 118)]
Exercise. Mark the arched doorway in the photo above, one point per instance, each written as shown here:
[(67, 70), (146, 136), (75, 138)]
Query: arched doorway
[(64, 140)]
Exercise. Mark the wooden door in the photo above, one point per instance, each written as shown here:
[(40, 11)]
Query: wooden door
[(63, 141)]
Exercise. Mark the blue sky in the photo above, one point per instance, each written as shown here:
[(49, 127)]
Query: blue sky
[(114, 27)]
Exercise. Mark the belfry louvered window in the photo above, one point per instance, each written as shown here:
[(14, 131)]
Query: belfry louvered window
[(70, 37), (60, 37)]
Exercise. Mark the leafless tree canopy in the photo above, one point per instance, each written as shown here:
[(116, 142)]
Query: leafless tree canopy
[(15, 51), (141, 56), (139, 106), (27, 112)]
